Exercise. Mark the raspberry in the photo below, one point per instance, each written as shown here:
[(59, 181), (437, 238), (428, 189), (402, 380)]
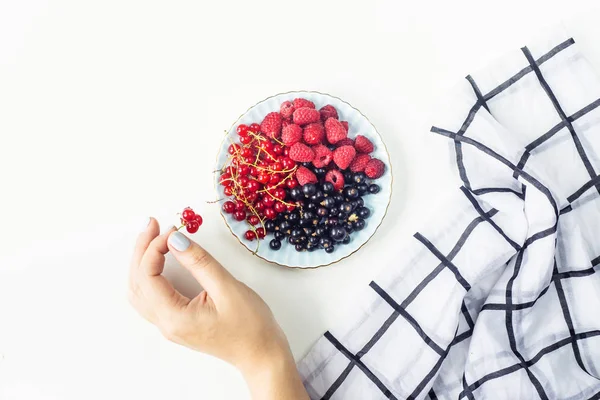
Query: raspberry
[(327, 112), (285, 123), (335, 131), (323, 156), (343, 156), (271, 125), (287, 109), (300, 102), (360, 162), (305, 115), (345, 125), (291, 134), (314, 133), (363, 145), (302, 153), (345, 142), (375, 169), (336, 178), (304, 176)]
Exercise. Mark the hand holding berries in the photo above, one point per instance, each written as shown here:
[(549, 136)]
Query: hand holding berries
[(190, 220)]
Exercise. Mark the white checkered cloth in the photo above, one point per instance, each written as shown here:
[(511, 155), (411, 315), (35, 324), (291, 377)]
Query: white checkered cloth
[(500, 299)]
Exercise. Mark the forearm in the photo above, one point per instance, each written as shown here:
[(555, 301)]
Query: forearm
[(275, 379)]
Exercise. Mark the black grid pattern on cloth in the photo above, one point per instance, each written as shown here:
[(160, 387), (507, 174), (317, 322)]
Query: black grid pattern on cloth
[(445, 261)]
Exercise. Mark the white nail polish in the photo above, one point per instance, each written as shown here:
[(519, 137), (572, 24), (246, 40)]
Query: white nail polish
[(179, 241)]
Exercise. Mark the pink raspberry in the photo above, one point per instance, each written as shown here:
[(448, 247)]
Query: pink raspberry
[(302, 153), (304, 176), (335, 131), (327, 112), (314, 133), (291, 134), (271, 125), (287, 109), (343, 156), (336, 178), (360, 162), (375, 169), (363, 145), (323, 156), (300, 102), (305, 115)]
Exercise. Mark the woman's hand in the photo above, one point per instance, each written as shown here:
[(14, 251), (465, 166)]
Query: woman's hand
[(227, 320)]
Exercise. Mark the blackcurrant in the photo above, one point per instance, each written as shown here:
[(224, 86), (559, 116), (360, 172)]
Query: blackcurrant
[(374, 189), (363, 212), (360, 202), (362, 188), (309, 189), (313, 240), (345, 207), (342, 216), (359, 177), (296, 193), (311, 247), (327, 187), (317, 197), (359, 224), (330, 249), (349, 227), (311, 206), (320, 231), (328, 202), (285, 226), (337, 233), (339, 198), (351, 192), (279, 235), (325, 242), (297, 232), (270, 226), (322, 212), (320, 172), (348, 177), (275, 244), (333, 212), (347, 240)]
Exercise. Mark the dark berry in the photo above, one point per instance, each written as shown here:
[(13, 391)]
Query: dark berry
[(330, 249), (294, 217), (363, 188), (349, 227), (275, 244), (374, 189), (314, 240), (309, 215), (333, 212), (337, 233), (296, 193), (348, 176), (297, 232), (322, 212), (311, 206), (300, 247), (320, 231), (363, 212), (328, 202), (309, 189), (279, 235), (307, 165), (327, 188), (311, 247), (317, 197), (342, 215), (270, 226), (359, 177), (325, 242), (351, 192), (345, 207), (285, 225), (320, 172), (359, 224), (347, 240), (360, 202), (308, 231), (293, 240), (339, 198)]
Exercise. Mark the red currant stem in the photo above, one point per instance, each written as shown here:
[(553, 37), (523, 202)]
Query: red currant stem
[(216, 201), (281, 201), (275, 139)]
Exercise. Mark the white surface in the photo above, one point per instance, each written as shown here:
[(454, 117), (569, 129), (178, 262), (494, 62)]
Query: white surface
[(111, 111), (357, 124)]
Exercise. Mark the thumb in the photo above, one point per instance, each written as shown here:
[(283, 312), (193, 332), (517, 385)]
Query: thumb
[(207, 271)]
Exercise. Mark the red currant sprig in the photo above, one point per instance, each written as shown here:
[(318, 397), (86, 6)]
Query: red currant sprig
[(190, 220)]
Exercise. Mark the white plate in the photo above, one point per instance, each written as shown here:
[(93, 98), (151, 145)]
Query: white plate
[(378, 203)]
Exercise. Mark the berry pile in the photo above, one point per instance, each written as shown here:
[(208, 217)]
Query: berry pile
[(298, 176), (190, 220)]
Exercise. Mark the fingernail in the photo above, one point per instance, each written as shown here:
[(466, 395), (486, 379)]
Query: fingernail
[(179, 241), (145, 224)]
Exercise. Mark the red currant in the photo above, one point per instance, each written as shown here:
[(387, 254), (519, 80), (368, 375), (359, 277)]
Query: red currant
[(253, 186), (242, 130), (253, 220), (226, 180), (260, 232), (275, 179), (259, 206), (277, 166), (239, 215), (278, 149), (288, 163), (199, 219), (290, 207), (246, 139), (279, 193), (251, 197), (233, 148), (270, 213), (266, 145), (291, 183), (250, 235), (286, 151), (246, 152), (243, 181), (229, 207), (228, 190), (268, 201), (263, 177), (253, 171), (230, 170), (279, 207), (240, 206), (188, 214), (255, 128), (192, 226), (244, 170)]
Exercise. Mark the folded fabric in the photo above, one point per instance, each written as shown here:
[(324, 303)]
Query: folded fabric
[(500, 298)]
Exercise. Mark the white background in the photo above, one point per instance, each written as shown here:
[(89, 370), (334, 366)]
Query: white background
[(113, 110)]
